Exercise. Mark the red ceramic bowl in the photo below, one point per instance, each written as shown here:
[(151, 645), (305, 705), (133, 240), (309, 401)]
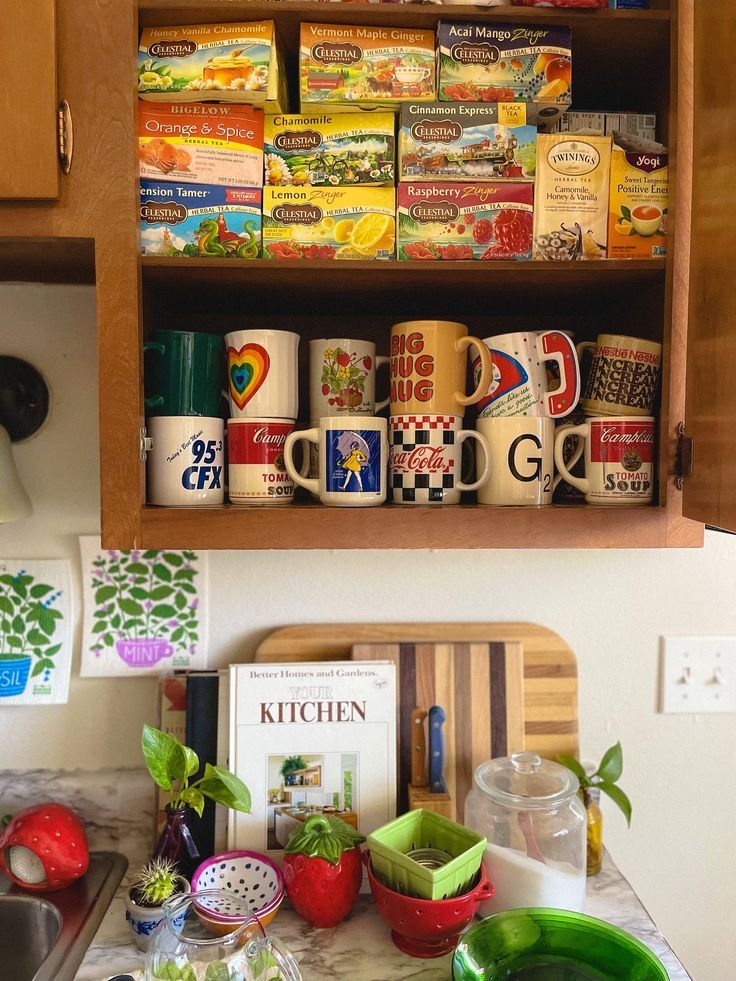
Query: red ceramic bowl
[(428, 927)]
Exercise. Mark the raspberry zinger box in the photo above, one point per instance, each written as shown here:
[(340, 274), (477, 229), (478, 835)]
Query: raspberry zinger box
[(465, 221)]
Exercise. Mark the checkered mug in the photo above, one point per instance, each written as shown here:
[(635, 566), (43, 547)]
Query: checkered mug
[(425, 459)]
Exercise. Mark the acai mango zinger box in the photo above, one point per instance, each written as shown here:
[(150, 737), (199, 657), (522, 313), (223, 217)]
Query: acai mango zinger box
[(199, 221)]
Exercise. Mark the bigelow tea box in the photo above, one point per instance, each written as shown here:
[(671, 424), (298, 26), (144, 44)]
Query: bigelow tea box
[(489, 62), (466, 141), (637, 220), (464, 221), (329, 223), (372, 66), (180, 220), (226, 62), (201, 143), (340, 149)]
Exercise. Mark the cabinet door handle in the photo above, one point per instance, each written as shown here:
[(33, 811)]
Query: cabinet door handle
[(65, 136)]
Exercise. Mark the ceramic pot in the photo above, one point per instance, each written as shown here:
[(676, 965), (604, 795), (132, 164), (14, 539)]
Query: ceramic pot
[(143, 920)]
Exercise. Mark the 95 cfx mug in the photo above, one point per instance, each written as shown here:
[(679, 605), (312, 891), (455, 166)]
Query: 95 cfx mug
[(185, 462), (262, 374), (623, 376), (342, 377)]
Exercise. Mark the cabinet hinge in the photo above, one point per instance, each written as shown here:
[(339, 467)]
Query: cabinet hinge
[(65, 135), (683, 457), (146, 443)]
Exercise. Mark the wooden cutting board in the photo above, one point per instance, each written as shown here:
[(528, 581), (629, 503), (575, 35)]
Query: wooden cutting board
[(481, 689)]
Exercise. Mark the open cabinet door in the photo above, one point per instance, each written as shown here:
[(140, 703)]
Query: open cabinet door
[(710, 405)]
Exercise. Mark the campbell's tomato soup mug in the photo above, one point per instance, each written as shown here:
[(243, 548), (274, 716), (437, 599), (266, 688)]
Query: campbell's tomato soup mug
[(256, 470)]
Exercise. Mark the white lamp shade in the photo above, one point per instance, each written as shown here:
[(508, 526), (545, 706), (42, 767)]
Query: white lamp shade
[(14, 501)]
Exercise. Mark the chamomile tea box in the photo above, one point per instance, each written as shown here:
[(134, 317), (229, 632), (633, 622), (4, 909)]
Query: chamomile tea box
[(199, 221), (349, 149), (226, 62), (637, 220), (329, 223)]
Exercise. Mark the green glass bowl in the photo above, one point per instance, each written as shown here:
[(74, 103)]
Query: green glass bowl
[(552, 945)]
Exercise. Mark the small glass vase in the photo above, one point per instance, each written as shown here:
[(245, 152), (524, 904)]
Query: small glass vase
[(594, 819), (175, 842)]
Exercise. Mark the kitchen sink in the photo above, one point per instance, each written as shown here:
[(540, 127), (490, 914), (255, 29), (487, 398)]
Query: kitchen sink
[(44, 937)]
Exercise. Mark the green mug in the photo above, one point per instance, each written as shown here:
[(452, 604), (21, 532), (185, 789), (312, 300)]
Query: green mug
[(185, 373)]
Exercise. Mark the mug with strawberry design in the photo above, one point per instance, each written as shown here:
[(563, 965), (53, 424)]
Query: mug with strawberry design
[(342, 377)]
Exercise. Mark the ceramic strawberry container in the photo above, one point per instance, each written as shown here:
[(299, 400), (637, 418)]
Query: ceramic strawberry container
[(44, 848)]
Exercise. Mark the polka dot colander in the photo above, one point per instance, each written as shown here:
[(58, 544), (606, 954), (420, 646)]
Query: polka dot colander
[(252, 878)]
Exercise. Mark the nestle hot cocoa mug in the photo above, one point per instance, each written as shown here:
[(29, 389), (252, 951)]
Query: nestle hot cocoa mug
[(623, 375), (256, 470)]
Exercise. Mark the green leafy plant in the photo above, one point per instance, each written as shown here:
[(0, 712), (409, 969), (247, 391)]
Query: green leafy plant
[(604, 779), (27, 621), (324, 837), (172, 764), (291, 764), (156, 882)]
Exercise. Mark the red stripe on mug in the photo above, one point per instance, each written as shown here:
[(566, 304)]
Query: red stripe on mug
[(610, 442), (257, 440)]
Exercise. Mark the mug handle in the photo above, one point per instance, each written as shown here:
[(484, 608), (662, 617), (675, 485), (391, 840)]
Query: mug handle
[(380, 406), (578, 452), (583, 430), (483, 443), (158, 348), (154, 400), (581, 348), (553, 345), (486, 369), (310, 483)]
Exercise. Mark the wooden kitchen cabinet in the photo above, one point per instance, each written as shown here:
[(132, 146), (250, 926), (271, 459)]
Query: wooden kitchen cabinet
[(660, 60)]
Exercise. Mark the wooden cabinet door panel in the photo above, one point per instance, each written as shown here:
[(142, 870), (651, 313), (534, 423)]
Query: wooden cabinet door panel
[(29, 166)]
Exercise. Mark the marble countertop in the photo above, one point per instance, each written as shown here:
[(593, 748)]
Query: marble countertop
[(361, 948)]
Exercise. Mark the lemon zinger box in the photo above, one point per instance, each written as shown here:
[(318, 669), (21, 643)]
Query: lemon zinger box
[(637, 220), (329, 223), (223, 62)]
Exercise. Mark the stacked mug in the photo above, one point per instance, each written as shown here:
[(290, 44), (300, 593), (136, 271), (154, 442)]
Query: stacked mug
[(345, 465), (262, 392), (183, 390)]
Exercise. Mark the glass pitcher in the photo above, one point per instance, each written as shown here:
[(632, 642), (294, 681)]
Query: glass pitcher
[(190, 949)]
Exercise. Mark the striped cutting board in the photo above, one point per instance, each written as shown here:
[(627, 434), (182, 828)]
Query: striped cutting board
[(481, 688)]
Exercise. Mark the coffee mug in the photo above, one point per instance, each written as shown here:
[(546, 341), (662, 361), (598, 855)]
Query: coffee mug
[(519, 385), (425, 459), (619, 459), (342, 377), (183, 373), (255, 471), (186, 461), (623, 375), (428, 368), (262, 374), (353, 457)]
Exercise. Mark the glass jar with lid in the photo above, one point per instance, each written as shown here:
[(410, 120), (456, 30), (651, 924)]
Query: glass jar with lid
[(529, 810)]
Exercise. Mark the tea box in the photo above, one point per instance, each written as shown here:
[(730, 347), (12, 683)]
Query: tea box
[(373, 66), (466, 141), (637, 220), (642, 124), (340, 149), (445, 220), (198, 143), (227, 62), (571, 196), (329, 223), (199, 220), (489, 62)]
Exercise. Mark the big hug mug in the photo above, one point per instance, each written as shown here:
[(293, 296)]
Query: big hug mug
[(262, 374)]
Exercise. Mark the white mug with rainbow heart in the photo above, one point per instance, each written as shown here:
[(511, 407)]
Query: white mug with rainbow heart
[(262, 374)]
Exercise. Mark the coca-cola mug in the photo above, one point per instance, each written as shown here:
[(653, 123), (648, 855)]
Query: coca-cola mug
[(256, 470), (425, 459), (619, 459)]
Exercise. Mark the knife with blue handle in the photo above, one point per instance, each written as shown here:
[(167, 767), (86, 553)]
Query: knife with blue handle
[(437, 719)]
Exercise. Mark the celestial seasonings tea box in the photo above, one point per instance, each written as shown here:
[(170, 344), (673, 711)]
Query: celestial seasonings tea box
[(340, 149), (637, 221)]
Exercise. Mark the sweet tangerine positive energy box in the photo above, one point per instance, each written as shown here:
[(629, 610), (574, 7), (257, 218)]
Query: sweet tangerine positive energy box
[(637, 219), (329, 223), (465, 221)]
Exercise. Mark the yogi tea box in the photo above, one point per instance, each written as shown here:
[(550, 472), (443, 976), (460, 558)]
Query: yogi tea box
[(199, 221), (465, 221), (373, 66), (489, 62), (466, 141), (329, 223), (226, 62), (201, 143), (637, 220)]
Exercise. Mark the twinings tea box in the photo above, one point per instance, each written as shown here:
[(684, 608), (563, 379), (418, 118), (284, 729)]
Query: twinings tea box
[(571, 196), (466, 141), (338, 149), (199, 221), (637, 220), (374, 66), (329, 223), (226, 62), (490, 62), (465, 221), (201, 143)]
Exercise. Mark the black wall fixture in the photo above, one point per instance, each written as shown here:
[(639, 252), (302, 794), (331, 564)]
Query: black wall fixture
[(24, 398)]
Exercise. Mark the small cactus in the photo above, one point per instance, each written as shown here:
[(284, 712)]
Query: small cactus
[(156, 882)]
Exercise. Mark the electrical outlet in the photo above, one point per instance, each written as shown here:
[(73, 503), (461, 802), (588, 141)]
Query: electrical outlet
[(698, 674)]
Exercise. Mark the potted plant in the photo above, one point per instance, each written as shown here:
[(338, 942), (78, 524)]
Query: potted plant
[(156, 882), (27, 628), (602, 780), (290, 766)]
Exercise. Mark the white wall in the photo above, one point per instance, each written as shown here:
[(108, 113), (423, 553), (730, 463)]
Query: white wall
[(611, 607)]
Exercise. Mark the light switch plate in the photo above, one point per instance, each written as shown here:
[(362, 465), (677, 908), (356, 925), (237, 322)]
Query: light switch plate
[(698, 674)]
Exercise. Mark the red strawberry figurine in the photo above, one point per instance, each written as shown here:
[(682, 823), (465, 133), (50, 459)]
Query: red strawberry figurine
[(55, 836), (322, 869)]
